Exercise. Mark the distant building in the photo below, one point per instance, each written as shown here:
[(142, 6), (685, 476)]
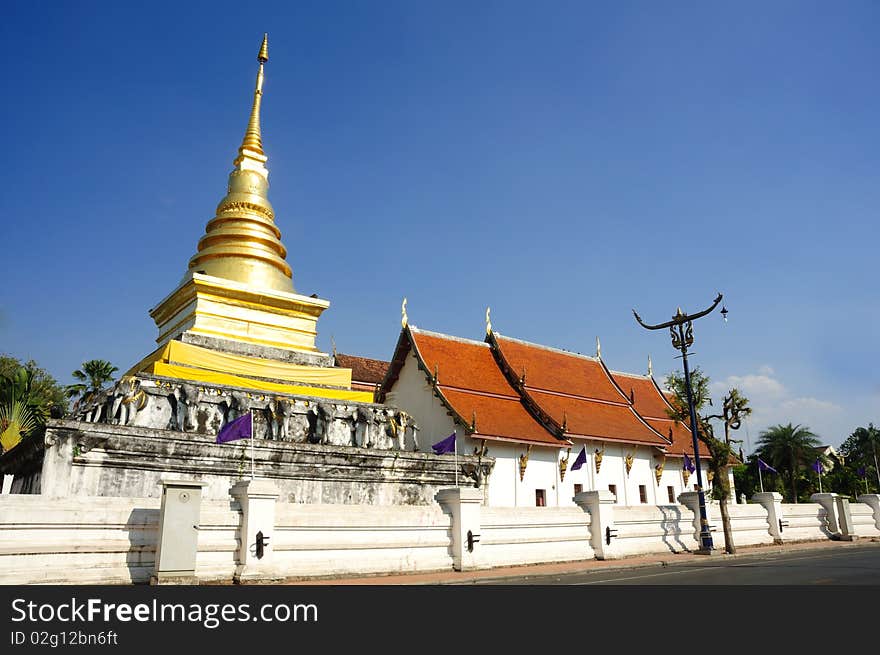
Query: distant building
[(366, 374)]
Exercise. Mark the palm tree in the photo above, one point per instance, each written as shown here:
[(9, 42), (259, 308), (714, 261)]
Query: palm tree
[(21, 412), (92, 377), (788, 447)]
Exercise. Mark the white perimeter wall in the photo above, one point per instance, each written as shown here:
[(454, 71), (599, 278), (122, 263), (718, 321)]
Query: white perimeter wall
[(113, 540)]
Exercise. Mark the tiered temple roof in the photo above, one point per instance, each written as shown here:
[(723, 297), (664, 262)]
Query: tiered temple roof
[(512, 390), (576, 391), (652, 404), (467, 380)]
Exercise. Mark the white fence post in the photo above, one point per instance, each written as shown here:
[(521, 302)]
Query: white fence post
[(873, 501), (257, 530), (827, 501), (463, 503), (691, 500), (844, 520), (600, 505), (772, 502)]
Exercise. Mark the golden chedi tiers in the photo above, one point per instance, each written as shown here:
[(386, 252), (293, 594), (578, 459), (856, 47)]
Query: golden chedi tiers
[(242, 242), (237, 298)]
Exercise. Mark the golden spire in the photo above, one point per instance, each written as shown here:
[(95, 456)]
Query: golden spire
[(242, 243), (250, 154)]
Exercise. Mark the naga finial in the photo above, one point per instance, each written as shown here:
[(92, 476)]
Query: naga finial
[(650, 368), (488, 321), (598, 348), (404, 320)]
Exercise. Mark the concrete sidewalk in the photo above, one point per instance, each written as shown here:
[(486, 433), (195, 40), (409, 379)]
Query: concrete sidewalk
[(500, 574)]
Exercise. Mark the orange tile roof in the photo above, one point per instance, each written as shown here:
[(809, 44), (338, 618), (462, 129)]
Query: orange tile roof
[(472, 386), (574, 390), (648, 399), (556, 370), (363, 369)]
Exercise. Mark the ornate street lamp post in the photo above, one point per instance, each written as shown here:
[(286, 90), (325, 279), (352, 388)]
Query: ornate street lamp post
[(682, 330)]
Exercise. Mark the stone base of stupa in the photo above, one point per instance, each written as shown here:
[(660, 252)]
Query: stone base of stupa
[(80, 459)]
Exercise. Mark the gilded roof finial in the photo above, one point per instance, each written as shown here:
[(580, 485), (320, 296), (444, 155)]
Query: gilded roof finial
[(404, 320), (488, 322), (650, 368), (598, 348), (250, 154)]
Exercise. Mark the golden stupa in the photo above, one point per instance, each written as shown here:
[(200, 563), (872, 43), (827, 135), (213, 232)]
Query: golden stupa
[(235, 318)]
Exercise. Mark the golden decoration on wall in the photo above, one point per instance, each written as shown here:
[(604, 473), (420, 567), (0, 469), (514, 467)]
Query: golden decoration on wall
[(523, 462), (658, 469), (685, 474), (628, 460), (599, 455), (710, 476), (563, 465)]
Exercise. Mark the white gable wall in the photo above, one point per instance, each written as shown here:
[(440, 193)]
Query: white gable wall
[(412, 392)]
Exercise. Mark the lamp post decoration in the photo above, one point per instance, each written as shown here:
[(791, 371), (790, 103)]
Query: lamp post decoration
[(681, 329)]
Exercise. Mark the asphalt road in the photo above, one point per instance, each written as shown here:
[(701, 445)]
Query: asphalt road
[(854, 565)]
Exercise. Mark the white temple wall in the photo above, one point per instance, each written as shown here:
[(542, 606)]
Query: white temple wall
[(413, 394), (99, 540)]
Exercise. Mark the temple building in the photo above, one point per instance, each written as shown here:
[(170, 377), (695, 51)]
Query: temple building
[(534, 409)]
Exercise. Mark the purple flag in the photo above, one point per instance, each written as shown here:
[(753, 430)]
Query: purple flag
[(240, 428), (688, 464), (445, 446), (817, 466), (580, 460), (764, 466), (862, 472)]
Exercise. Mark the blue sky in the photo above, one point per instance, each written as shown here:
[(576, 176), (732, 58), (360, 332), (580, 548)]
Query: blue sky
[(560, 162)]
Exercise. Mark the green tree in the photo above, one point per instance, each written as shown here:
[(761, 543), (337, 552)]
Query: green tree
[(22, 412), (788, 449), (44, 389), (862, 448), (92, 378), (734, 408)]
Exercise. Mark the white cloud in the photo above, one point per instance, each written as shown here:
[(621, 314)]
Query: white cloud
[(773, 403), (809, 405), (752, 385)]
